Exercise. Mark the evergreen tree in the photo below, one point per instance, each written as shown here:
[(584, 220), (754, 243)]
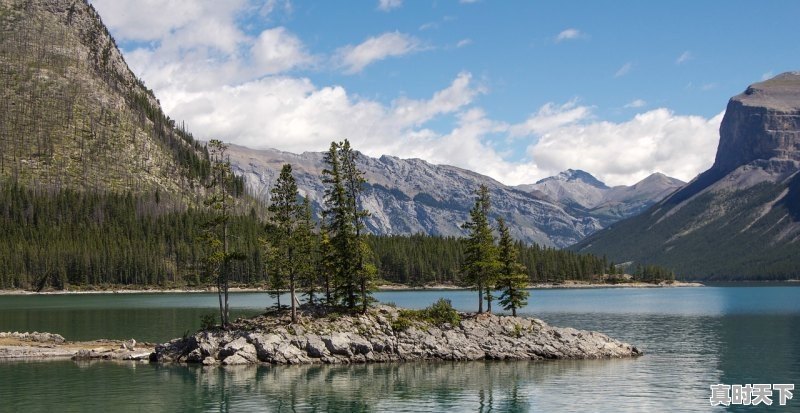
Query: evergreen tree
[(512, 279), (354, 182), (480, 260), (216, 234), (343, 221), (308, 248), (291, 257)]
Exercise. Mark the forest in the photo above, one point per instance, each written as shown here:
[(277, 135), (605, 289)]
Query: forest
[(64, 238)]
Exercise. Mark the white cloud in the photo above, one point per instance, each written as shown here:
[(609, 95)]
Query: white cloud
[(626, 152), (683, 58), (276, 51), (355, 58), (767, 75), (463, 43), (550, 117), (568, 34), (636, 103), (388, 5), (624, 70), (231, 85)]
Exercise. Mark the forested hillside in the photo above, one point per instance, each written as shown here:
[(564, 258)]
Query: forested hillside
[(72, 115)]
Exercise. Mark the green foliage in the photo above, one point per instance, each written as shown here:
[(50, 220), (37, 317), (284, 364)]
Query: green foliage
[(347, 253), (480, 260), (439, 313), (290, 256), (442, 312), (208, 321), (511, 278), (67, 238)]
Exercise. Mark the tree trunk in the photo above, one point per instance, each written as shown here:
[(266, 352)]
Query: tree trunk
[(480, 298), (293, 298)]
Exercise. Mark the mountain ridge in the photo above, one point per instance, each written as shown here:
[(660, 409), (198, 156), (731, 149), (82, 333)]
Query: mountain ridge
[(408, 196)]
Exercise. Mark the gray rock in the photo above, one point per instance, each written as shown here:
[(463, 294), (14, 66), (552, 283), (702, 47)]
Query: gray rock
[(484, 336)]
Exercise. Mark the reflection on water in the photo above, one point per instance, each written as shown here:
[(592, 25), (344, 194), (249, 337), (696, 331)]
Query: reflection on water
[(681, 357), (692, 338)]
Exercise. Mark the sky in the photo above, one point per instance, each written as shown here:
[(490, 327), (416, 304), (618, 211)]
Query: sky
[(517, 90)]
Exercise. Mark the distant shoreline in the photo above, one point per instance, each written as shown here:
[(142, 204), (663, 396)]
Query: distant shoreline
[(385, 287)]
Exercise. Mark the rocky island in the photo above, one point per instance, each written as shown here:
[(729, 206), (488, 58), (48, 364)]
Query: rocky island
[(387, 334)]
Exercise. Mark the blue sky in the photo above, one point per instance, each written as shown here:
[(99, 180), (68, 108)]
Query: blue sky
[(518, 90)]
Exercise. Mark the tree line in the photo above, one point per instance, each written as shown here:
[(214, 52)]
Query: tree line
[(64, 238)]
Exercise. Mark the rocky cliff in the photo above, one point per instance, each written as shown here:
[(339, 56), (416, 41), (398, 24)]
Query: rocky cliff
[(741, 218)]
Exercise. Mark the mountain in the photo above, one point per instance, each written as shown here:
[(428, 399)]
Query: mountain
[(408, 196), (73, 115), (741, 218), (580, 190)]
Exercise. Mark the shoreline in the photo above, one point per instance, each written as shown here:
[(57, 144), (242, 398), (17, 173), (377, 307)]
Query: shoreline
[(385, 287)]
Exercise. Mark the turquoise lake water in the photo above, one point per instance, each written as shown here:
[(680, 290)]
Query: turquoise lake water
[(692, 338)]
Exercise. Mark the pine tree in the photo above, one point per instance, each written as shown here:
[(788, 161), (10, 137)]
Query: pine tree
[(291, 257), (511, 278), (216, 234), (480, 255), (343, 222)]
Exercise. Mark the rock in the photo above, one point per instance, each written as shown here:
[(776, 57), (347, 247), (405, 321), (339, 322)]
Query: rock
[(315, 347), (338, 343), (361, 339)]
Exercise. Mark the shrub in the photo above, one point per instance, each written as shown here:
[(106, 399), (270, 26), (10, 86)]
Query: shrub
[(208, 321), (442, 312)]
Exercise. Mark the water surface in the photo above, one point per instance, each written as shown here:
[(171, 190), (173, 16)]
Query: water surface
[(692, 337)]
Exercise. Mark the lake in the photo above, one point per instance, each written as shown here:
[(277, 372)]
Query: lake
[(692, 338)]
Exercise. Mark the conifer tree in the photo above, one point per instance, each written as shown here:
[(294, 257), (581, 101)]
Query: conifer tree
[(480, 255), (343, 220), (291, 247), (511, 278), (216, 234)]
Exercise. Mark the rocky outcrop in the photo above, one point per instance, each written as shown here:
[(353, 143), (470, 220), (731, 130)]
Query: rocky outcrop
[(383, 335), (763, 123), (48, 345)]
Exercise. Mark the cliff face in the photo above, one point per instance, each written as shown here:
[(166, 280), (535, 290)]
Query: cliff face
[(763, 123), (739, 219)]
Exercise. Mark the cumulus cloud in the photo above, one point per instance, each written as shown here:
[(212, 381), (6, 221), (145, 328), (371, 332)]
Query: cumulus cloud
[(276, 51), (551, 117), (238, 86), (388, 5), (683, 58), (625, 152), (568, 34)]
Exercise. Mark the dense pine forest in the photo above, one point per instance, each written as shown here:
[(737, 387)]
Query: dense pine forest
[(68, 239)]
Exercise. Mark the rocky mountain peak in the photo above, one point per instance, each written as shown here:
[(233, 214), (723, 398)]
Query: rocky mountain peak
[(762, 124), (576, 175)]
